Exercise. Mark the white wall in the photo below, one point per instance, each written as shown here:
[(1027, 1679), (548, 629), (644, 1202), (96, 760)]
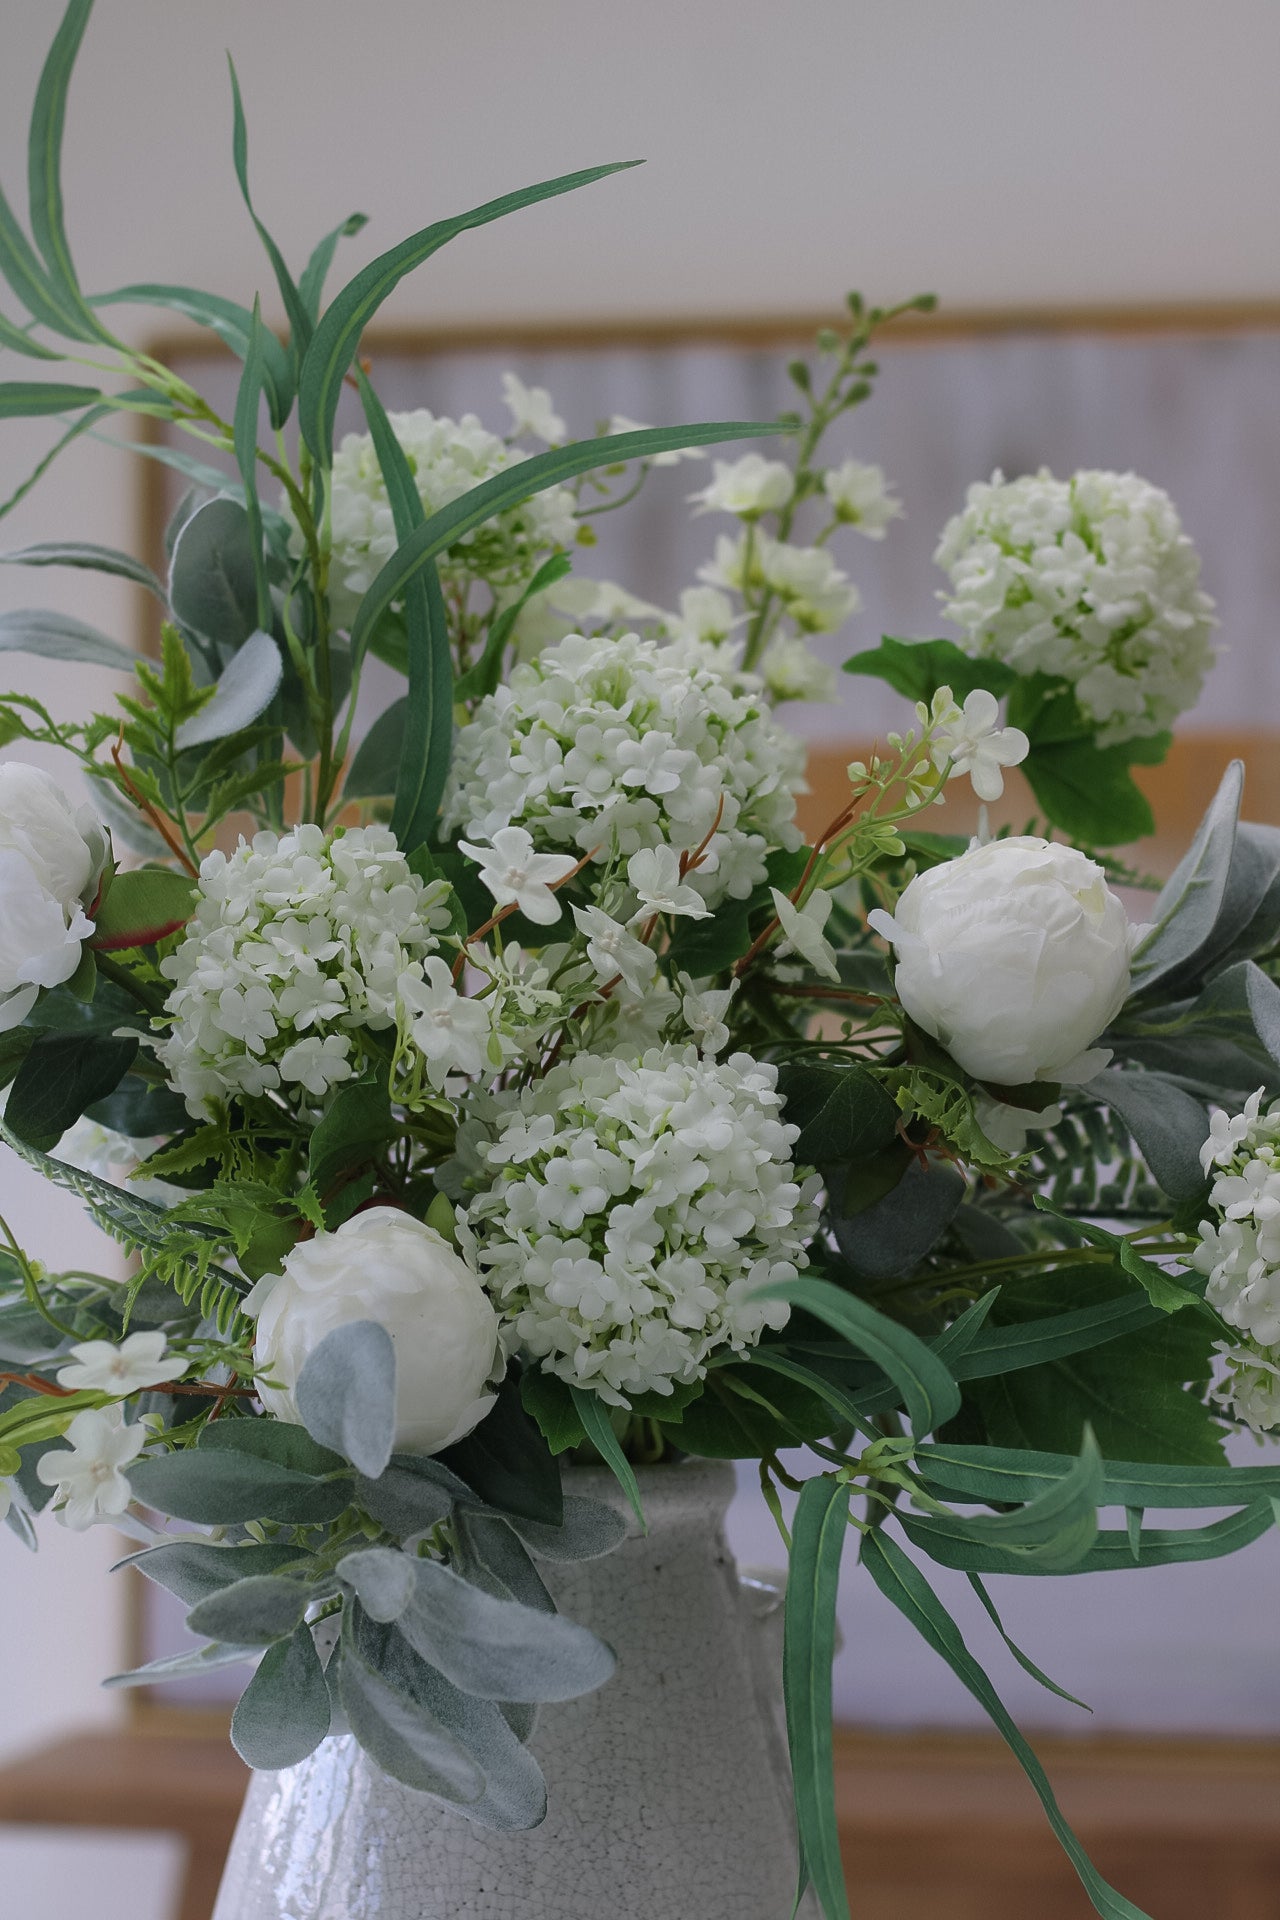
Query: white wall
[(998, 152)]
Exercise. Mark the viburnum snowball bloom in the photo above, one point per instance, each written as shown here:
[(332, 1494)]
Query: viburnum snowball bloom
[(386, 1266), (448, 458), (629, 1212), (1239, 1252), (860, 497), (1016, 957), (1090, 580), (51, 859), (296, 944), (748, 487), (603, 744)]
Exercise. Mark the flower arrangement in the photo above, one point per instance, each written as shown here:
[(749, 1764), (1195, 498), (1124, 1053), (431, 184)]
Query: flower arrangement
[(515, 1086)]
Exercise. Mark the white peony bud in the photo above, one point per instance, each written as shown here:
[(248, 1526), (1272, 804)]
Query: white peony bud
[(1016, 957), (383, 1265), (51, 858)]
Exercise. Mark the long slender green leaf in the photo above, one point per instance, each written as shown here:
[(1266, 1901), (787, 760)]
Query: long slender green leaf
[(83, 553), (428, 730), (1052, 1533), (232, 323), (20, 341), (299, 318), (817, 1544), (599, 1430), (1031, 1343), (84, 424), (1024, 1660), (28, 399), (520, 482), (902, 1582), (484, 676), (57, 636), (844, 1405), (337, 337), (311, 284), (26, 274), (1008, 1474), (951, 1544), (44, 168), (246, 436), (928, 1390)]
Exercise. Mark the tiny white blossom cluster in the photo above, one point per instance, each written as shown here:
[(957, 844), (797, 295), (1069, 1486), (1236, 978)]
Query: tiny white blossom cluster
[(448, 458), (1239, 1251), (611, 746), (1090, 580), (631, 1212), (817, 594), (296, 943)]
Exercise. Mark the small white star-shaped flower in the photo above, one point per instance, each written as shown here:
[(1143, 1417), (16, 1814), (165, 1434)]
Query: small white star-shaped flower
[(654, 873), (803, 929), (517, 876), (973, 742), (139, 1361), (88, 1474), (532, 411), (612, 950)]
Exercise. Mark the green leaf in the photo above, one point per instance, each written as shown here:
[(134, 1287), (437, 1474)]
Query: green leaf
[(703, 948), (1089, 791), (928, 1391), (549, 1401), (1188, 907), (598, 1428), (514, 485), (1024, 1660), (375, 765), (346, 1394), (398, 1732), (299, 318), (181, 1666), (917, 668), (491, 1557), (885, 1225), (285, 1711), (1162, 1290), (1169, 1125), (337, 336), (253, 1612), (500, 1649), (44, 169), (817, 1545), (402, 1500), (57, 636), (589, 1531), (84, 424), (353, 1132), (311, 284), (484, 676), (1033, 1343), (1053, 1533), (910, 1592), (506, 1461), (28, 399), (744, 1415), (233, 325), (428, 728), (20, 341), (62, 1074), (383, 1579), (143, 907), (252, 384), (1008, 1474), (83, 553), (843, 1113), (222, 1486), (244, 689), (1115, 1549), (194, 1569)]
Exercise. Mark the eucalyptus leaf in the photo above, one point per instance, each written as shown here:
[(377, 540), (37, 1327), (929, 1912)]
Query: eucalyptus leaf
[(284, 1712), (346, 1394), (29, 399), (500, 1649), (58, 636), (889, 1238), (245, 688), (44, 171), (312, 279)]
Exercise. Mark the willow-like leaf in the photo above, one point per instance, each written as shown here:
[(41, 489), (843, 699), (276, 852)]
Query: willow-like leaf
[(817, 1544), (44, 170)]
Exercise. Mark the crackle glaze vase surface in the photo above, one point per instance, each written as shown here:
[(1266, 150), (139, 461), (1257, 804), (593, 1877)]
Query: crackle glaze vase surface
[(669, 1789)]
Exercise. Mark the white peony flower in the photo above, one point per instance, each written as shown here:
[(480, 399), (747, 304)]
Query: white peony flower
[(747, 487), (1090, 580), (51, 859), (140, 1361), (1016, 957), (88, 1477), (383, 1265), (610, 745), (654, 874), (623, 1243), (974, 742), (860, 497), (297, 945), (532, 411), (803, 927), (516, 876), (791, 671)]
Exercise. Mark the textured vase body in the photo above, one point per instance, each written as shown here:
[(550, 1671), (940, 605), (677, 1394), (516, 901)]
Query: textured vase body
[(669, 1789)]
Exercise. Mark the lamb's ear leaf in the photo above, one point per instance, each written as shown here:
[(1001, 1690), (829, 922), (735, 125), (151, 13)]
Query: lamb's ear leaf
[(285, 1711), (346, 1394), (1188, 907)]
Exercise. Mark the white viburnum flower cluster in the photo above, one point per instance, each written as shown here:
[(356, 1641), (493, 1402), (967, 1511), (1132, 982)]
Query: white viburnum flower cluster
[(448, 458), (1239, 1252), (632, 1211), (609, 746), (1090, 580), (296, 944)]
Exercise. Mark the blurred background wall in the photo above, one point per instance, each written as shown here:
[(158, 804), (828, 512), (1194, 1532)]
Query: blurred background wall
[(999, 153)]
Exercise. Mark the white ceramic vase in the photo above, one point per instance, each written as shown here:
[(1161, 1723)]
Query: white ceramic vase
[(669, 1789)]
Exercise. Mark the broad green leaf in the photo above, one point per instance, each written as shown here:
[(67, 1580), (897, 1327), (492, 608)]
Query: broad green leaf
[(337, 336), (44, 169), (549, 1401), (508, 1464), (383, 1580), (220, 1487), (399, 1733), (917, 668), (83, 553), (1188, 907), (252, 383), (311, 284), (142, 907), (62, 1074), (1089, 791), (889, 1237), (28, 399), (252, 1612), (375, 765), (355, 1130), (929, 1393), (57, 636), (903, 1583), (745, 1413), (598, 1428), (285, 1711), (1162, 1289), (428, 728), (194, 1569), (500, 1649), (299, 318), (843, 1113), (514, 485), (244, 689), (233, 325), (346, 1394), (817, 1545)]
